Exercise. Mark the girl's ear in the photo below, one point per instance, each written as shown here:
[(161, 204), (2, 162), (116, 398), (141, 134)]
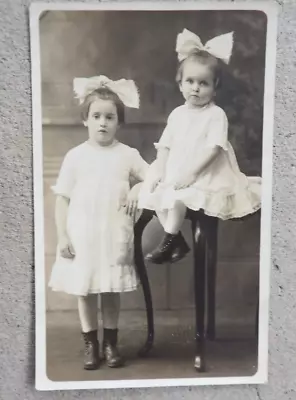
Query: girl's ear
[(85, 123)]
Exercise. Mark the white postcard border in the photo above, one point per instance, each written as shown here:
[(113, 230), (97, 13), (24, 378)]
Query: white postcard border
[(41, 380)]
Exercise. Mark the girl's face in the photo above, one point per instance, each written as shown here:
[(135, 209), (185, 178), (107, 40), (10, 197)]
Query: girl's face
[(102, 122), (197, 84)]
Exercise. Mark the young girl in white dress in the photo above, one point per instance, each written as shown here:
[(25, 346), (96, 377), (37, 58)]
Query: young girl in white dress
[(196, 167), (95, 211)]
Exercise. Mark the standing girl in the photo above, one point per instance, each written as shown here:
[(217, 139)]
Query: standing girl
[(95, 211), (196, 166)]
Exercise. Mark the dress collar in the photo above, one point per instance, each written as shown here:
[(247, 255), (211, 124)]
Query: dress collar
[(208, 105)]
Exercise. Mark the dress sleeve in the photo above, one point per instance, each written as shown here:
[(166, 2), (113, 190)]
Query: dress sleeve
[(66, 178), (165, 140), (217, 134), (139, 166)]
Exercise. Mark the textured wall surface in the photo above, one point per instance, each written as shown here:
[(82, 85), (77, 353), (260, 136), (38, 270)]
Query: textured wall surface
[(16, 227)]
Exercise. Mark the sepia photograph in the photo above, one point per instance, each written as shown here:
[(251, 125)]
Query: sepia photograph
[(152, 142)]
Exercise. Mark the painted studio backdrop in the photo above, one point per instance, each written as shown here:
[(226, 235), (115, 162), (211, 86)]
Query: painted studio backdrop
[(141, 46)]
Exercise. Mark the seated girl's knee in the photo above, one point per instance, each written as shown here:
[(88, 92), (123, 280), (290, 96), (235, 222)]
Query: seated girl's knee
[(180, 205)]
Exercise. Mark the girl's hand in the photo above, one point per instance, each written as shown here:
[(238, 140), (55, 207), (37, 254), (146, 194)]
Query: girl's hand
[(154, 183), (156, 179), (132, 201), (184, 182), (66, 248), (156, 175)]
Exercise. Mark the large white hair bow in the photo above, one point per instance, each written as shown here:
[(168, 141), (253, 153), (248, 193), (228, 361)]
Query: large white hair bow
[(219, 47), (126, 90)]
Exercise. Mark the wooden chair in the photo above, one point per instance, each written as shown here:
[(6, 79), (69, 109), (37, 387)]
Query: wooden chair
[(204, 235)]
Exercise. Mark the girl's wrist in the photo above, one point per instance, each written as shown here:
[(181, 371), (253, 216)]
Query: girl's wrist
[(192, 173), (135, 190), (137, 186), (63, 236)]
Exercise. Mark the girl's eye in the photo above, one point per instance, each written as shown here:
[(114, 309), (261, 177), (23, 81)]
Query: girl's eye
[(189, 80), (109, 117), (204, 83), (96, 116)]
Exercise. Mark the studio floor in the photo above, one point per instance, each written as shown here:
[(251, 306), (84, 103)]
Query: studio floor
[(172, 356)]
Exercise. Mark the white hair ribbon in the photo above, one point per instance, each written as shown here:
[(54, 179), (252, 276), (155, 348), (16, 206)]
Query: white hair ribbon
[(126, 90), (219, 47)]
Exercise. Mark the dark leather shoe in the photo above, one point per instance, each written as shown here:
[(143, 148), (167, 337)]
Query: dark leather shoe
[(110, 350), (164, 250), (91, 350), (181, 250)]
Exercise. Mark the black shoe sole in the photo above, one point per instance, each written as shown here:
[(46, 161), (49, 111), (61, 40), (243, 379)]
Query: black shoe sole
[(170, 260), (119, 365), (157, 262), (116, 365), (176, 259), (91, 367)]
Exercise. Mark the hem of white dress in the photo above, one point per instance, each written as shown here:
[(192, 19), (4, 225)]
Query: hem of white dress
[(230, 216), (59, 192), (161, 146), (220, 204), (94, 291), (214, 214)]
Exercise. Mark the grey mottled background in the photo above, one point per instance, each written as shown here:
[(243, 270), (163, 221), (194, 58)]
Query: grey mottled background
[(16, 227)]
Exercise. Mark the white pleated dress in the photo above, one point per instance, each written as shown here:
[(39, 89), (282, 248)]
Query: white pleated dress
[(221, 189), (97, 182)]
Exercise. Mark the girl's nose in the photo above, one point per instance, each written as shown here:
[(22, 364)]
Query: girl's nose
[(195, 86), (102, 121)]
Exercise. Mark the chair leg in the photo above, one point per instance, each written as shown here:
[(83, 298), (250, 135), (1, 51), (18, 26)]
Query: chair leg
[(199, 289), (142, 272), (211, 256)]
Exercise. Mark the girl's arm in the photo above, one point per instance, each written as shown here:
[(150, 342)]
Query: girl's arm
[(138, 172), (63, 189), (61, 213), (132, 199), (205, 160), (161, 160), (163, 148), (216, 141), (188, 178), (157, 169)]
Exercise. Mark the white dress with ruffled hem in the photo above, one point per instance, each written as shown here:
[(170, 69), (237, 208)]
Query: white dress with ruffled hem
[(221, 189), (97, 181)]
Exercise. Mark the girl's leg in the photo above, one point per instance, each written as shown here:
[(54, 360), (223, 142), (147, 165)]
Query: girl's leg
[(173, 246), (175, 218), (110, 305), (162, 216), (87, 309), (88, 312)]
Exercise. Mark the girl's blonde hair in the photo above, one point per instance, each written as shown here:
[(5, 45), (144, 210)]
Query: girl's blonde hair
[(202, 57)]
